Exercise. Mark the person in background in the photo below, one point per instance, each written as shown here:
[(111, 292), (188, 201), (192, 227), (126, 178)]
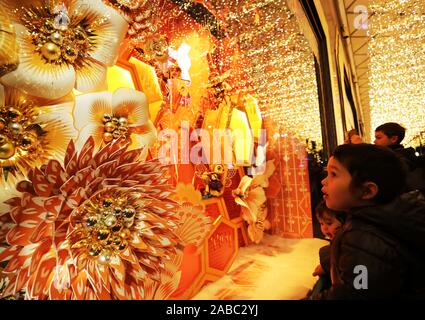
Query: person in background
[(331, 222), (391, 135), (353, 137)]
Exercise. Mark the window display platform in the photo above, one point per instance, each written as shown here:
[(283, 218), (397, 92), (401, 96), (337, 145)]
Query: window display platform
[(276, 269)]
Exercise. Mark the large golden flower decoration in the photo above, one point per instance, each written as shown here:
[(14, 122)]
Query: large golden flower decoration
[(121, 115), (31, 131), (63, 44), (99, 227)]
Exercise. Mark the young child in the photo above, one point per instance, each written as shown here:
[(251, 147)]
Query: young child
[(391, 135), (379, 252), (330, 222)]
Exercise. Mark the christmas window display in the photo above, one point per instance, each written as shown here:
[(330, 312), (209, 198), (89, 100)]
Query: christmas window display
[(109, 187)]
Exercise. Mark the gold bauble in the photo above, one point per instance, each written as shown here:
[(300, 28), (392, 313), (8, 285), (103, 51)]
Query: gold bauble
[(129, 212), (109, 127), (14, 114), (105, 257), (56, 37), (123, 121), (123, 245), (70, 54), (116, 134), (15, 128), (110, 220), (103, 234), (51, 51), (107, 137), (7, 149), (27, 141), (107, 118), (80, 36)]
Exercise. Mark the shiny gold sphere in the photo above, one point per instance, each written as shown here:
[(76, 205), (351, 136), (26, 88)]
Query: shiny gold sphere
[(80, 36), (70, 54), (56, 37), (103, 234), (105, 257), (107, 118), (108, 137), (15, 128), (116, 134), (123, 121), (123, 130), (117, 227), (28, 140), (116, 241), (7, 149), (14, 114), (110, 220), (109, 127), (51, 51), (123, 245)]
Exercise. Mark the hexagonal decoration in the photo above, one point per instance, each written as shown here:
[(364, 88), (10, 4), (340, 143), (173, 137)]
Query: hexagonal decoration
[(222, 247), (215, 208), (233, 209)]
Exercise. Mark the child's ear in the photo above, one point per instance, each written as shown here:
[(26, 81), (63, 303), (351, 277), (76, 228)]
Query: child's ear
[(394, 139), (369, 190)]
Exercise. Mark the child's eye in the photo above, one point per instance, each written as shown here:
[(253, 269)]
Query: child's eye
[(333, 174)]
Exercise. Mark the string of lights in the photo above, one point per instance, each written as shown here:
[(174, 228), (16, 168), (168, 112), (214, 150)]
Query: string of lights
[(282, 65), (397, 64)]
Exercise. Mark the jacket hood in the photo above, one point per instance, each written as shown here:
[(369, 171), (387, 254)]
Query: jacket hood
[(403, 218)]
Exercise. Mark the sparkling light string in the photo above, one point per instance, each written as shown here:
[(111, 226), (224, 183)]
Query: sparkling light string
[(397, 65), (282, 64)]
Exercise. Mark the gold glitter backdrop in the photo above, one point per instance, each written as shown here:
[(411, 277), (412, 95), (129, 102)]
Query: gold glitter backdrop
[(282, 64), (397, 64)]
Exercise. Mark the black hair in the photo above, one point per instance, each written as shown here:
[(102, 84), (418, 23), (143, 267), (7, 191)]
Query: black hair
[(372, 163), (392, 129), (321, 209)]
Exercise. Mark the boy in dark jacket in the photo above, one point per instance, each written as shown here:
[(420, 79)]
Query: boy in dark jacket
[(380, 251), (391, 135)]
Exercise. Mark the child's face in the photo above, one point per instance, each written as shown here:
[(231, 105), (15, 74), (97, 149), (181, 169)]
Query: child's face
[(381, 139), (336, 187), (329, 225)]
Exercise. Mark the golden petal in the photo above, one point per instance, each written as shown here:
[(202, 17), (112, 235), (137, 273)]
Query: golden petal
[(131, 104), (35, 76), (90, 130), (91, 77), (8, 47), (8, 190), (144, 140), (109, 28), (90, 108), (60, 130)]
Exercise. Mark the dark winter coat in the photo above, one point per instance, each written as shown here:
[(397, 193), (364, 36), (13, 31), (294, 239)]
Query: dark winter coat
[(414, 167), (389, 240)]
